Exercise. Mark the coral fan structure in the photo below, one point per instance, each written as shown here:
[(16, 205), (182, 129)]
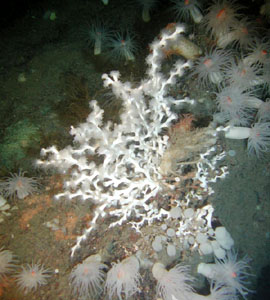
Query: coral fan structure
[(131, 151)]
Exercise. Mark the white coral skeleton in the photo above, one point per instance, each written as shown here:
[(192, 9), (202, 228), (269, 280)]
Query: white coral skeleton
[(131, 150)]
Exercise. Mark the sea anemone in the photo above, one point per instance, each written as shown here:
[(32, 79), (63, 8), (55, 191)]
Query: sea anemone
[(243, 75), (210, 67), (263, 114), (19, 185), (173, 284), (241, 34), (237, 104), (266, 76), (221, 17), (98, 36), (233, 273), (259, 138), (147, 6), (123, 46), (87, 278), (229, 272), (6, 262), (221, 292), (123, 277), (32, 276), (187, 9), (258, 52)]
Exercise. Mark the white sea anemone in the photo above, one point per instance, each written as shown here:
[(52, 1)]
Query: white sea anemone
[(98, 36), (242, 74), (241, 34), (19, 185), (31, 276), (259, 139), (123, 46), (210, 67), (222, 16), (123, 278), (6, 262), (258, 52), (147, 6), (87, 278), (187, 9), (237, 104), (229, 272), (173, 284), (234, 273), (263, 113), (221, 292)]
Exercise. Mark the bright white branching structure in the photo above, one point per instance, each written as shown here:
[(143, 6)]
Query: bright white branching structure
[(131, 151)]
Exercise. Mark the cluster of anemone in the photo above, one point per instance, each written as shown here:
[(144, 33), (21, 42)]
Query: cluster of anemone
[(236, 69), (88, 278), (117, 45), (228, 279), (28, 278)]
